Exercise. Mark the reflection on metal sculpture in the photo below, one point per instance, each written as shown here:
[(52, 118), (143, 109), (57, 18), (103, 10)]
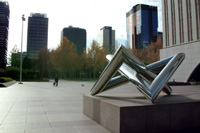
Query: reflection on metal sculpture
[(133, 70)]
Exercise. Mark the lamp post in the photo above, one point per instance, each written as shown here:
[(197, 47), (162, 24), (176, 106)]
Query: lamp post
[(23, 19)]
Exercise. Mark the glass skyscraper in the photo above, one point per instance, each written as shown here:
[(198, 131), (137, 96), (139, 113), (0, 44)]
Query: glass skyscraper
[(142, 25), (4, 25), (76, 36), (37, 38)]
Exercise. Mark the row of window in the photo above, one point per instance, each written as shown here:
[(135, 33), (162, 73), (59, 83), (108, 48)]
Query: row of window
[(185, 20), (166, 22), (197, 9), (181, 29), (37, 35), (173, 22)]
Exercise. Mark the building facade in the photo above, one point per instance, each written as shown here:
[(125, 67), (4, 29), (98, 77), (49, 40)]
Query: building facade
[(77, 36), (4, 26), (141, 26), (37, 37), (106, 39), (181, 33)]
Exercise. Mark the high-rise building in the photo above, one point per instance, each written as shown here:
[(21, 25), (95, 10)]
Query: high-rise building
[(37, 37), (141, 26), (106, 39), (181, 34), (76, 36), (4, 25)]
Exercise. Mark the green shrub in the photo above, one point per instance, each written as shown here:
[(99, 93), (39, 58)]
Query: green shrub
[(27, 74), (13, 72), (5, 79)]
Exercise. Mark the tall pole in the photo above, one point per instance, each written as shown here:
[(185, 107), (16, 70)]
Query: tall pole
[(20, 81)]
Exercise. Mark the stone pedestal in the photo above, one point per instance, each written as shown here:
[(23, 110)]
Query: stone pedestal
[(7, 83), (128, 113)]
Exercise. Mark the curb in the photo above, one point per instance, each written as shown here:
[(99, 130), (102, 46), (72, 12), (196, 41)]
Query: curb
[(7, 84)]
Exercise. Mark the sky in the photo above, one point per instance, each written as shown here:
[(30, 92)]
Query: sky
[(91, 15)]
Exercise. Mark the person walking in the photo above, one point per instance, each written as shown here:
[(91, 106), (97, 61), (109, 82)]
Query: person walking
[(56, 81)]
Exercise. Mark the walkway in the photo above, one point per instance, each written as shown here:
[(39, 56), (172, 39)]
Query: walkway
[(38, 107)]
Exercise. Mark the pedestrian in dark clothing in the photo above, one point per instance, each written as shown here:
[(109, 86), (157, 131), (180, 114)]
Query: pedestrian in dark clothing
[(56, 81)]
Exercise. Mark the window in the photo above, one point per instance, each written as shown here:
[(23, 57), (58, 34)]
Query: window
[(197, 6), (173, 22), (189, 20), (181, 21), (166, 22)]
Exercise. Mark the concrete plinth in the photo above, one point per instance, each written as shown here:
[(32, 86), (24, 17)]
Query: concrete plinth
[(7, 83), (132, 112)]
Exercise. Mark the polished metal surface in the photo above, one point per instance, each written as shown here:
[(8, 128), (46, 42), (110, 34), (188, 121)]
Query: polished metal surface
[(150, 80)]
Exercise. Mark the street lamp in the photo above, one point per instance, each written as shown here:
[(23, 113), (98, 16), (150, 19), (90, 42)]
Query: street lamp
[(23, 19)]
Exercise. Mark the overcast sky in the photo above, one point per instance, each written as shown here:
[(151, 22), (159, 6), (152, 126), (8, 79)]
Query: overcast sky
[(91, 15)]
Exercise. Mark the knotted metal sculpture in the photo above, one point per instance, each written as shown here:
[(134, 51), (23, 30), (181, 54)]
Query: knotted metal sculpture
[(133, 70)]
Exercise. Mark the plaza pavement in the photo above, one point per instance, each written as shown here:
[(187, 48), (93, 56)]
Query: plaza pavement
[(38, 107)]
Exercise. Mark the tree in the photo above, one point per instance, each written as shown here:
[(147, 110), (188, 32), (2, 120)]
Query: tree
[(43, 63), (14, 59), (27, 63), (64, 58), (154, 50), (151, 54), (69, 64), (96, 59), (141, 54)]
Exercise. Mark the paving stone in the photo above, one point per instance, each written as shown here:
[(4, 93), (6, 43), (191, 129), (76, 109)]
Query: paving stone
[(38, 107)]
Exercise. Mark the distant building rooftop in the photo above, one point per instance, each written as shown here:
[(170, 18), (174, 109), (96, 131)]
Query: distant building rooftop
[(38, 15), (4, 2), (139, 7), (106, 27)]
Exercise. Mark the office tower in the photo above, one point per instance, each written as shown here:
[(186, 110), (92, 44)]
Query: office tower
[(76, 36), (181, 34), (4, 25), (37, 38), (106, 39), (141, 26)]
